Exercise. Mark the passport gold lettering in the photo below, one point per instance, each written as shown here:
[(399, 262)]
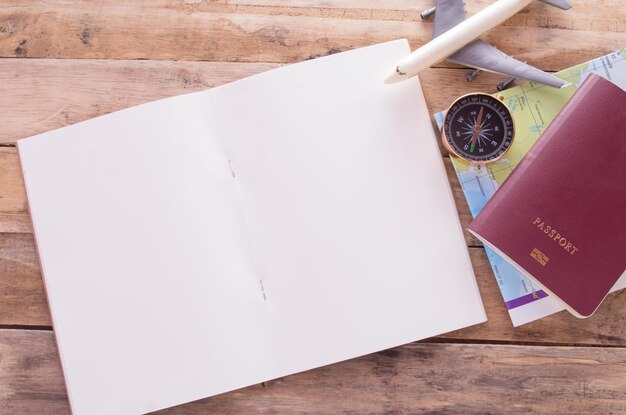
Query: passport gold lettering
[(555, 236)]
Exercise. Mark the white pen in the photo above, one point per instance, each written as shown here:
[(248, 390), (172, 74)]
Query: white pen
[(454, 39)]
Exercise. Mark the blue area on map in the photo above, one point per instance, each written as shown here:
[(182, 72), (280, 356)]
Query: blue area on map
[(478, 189), (512, 283)]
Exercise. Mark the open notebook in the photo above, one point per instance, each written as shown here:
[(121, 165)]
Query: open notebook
[(202, 243)]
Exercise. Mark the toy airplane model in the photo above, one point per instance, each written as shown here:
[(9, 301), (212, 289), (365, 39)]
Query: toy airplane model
[(454, 39)]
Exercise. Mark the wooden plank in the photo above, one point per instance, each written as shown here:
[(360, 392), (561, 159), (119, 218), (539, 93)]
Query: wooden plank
[(22, 296), (23, 302), (221, 31), (30, 374), (39, 95), (580, 9), (443, 379), (415, 378), (13, 204)]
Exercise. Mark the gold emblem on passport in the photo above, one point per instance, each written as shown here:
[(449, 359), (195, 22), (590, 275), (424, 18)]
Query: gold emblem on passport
[(539, 256)]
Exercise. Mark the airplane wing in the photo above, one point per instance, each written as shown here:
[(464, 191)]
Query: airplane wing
[(482, 55), (449, 13)]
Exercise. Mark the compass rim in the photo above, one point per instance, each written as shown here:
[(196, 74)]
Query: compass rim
[(449, 147)]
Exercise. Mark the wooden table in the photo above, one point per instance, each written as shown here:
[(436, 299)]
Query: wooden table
[(66, 61)]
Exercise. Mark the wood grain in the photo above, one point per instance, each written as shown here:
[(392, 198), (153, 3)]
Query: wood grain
[(39, 95), (443, 379), (284, 32), (63, 61), (415, 378), (23, 302), (22, 296), (31, 381), (13, 205)]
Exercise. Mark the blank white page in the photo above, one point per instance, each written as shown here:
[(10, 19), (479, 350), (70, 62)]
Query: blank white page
[(171, 280), (353, 227), (146, 263)]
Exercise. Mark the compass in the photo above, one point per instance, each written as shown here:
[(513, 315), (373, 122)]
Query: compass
[(478, 128)]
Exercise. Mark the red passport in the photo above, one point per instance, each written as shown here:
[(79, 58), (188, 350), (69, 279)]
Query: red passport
[(560, 217)]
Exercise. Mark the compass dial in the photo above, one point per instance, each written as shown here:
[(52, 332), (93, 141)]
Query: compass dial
[(478, 128)]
